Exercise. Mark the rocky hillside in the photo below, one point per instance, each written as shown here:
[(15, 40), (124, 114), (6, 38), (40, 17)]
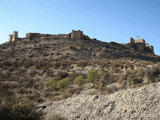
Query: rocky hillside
[(132, 104), (43, 68)]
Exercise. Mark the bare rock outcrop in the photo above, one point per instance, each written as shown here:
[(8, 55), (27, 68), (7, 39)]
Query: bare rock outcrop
[(132, 104)]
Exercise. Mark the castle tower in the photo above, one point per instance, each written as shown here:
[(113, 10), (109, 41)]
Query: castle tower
[(10, 37), (15, 36), (76, 34), (132, 42)]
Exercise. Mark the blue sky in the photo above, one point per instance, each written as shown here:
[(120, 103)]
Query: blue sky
[(107, 20)]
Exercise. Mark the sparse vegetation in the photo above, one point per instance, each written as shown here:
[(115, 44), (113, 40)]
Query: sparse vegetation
[(82, 63), (152, 75), (61, 75), (62, 83), (25, 67), (79, 80), (19, 110), (52, 83), (92, 76)]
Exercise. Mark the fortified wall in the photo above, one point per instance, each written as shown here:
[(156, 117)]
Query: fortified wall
[(55, 36), (73, 35), (76, 34), (140, 45)]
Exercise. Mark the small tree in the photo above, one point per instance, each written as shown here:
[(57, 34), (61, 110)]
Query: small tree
[(92, 76)]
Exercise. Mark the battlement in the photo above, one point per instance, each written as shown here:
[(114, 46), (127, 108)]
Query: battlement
[(76, 34)]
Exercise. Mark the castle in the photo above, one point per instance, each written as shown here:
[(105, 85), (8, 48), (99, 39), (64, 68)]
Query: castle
[(73, 35), (140, 45), (13, 37)]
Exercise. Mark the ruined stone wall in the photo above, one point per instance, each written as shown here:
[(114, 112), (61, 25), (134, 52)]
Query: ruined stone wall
[(10, 37), (59, 36), (140, 41), (140, 47), (132, 42), (15, 36), (33, 35), (76, 34)]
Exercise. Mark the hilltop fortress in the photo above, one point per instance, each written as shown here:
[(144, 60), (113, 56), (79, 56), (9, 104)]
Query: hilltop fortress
[(73, 35), (138, 45)]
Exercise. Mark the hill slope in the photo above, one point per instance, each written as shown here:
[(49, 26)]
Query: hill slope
[(27, 65), (132, 104)]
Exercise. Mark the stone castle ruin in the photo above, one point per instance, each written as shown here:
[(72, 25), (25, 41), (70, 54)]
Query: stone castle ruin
[(55, 36), (140, 45), (13, 37), (73, 35), (77, 34)]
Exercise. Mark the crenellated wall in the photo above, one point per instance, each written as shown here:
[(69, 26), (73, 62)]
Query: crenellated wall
[(76, 34)]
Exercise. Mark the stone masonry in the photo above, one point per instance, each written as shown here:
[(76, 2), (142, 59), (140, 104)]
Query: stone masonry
[(76, 34), (13, 37), (140, 45), (10, 36), (73, 35)]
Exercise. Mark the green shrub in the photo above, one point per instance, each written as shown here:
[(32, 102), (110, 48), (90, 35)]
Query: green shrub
[(63, 83), (79, 80), (100, 85), (92, 76), (72, 77), (52, 83)]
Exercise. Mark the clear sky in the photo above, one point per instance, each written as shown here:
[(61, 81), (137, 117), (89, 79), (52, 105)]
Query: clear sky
[(107, 20)]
